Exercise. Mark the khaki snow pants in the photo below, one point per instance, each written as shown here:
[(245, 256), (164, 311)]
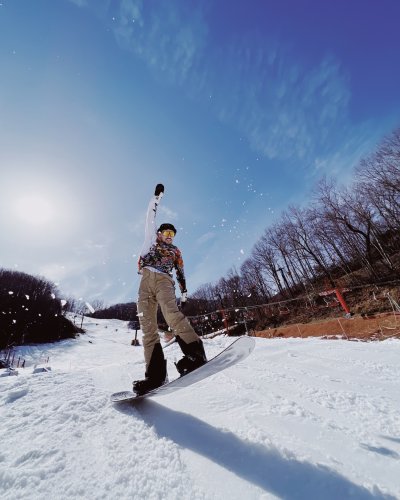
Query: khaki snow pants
[(158, 288)]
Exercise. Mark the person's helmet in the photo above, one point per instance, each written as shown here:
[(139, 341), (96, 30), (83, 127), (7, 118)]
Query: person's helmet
[(163, 227)]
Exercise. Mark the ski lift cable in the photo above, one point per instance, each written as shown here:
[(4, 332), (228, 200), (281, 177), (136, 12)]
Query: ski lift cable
[(277, 303)]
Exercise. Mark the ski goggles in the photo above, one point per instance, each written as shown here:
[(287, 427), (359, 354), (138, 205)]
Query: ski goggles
[(168, 233)]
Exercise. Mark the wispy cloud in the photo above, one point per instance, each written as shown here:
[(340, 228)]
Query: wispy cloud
[(80, 259), (285, 108), (164, 212), (354, 146), (205, 238), (80, 3), (168, 36)]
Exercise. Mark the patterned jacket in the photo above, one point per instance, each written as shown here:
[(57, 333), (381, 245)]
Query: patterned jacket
[(157, 255)]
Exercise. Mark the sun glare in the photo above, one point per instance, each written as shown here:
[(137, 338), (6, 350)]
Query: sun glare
[(34, 210)]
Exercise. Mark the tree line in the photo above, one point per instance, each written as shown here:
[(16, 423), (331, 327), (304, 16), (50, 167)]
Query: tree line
[(346, 235), (124, 312), (31, 310)]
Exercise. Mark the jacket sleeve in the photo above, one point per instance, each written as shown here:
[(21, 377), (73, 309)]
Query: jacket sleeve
[(180, 273), (150, 226)]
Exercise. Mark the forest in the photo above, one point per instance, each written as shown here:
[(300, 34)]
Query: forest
[(31, 311), (346, 236)]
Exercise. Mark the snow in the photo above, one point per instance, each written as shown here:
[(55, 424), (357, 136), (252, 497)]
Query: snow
[(299, 418)]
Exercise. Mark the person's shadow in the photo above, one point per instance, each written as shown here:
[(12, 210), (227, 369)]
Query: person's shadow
[(283, 476)]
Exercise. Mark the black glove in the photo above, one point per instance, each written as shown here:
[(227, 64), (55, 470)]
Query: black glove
[(159, 189)]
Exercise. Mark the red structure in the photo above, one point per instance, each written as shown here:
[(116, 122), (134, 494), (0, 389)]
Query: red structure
[(339, 295)]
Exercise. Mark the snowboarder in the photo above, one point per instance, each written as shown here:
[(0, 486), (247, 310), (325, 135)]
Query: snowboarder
[(157, 260)]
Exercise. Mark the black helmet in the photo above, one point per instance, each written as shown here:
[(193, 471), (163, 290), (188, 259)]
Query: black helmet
[(166, 226)]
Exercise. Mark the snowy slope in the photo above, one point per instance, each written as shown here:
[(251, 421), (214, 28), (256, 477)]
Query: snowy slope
[(300, 418)]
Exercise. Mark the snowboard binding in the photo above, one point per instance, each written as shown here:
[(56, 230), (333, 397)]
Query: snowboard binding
[(194, 356)]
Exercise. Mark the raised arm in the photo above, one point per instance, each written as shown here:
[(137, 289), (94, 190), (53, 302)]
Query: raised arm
[(150, 228)]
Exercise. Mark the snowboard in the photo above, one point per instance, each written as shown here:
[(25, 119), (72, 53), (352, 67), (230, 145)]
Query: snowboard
[(237, 351)]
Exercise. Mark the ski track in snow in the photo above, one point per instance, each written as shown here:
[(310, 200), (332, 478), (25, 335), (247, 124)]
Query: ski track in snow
[(299, 418)]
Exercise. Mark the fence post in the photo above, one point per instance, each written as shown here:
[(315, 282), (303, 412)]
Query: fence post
[(344, 333)]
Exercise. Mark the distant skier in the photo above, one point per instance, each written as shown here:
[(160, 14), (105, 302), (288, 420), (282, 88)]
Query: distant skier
[(157, 260)]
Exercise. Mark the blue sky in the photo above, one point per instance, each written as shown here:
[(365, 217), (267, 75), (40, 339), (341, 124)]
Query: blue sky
[(237, 107)]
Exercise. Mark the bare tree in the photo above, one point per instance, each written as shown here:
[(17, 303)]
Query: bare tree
[(341, 231)]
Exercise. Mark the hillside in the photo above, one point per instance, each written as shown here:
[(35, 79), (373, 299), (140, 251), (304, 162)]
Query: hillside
[(380, 326), (300, 418)]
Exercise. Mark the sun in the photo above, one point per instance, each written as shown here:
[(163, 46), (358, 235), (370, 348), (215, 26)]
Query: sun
[(34, 210)]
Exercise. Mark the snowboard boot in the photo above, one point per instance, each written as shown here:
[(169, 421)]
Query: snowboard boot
[(194, 356), (156, 373)]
